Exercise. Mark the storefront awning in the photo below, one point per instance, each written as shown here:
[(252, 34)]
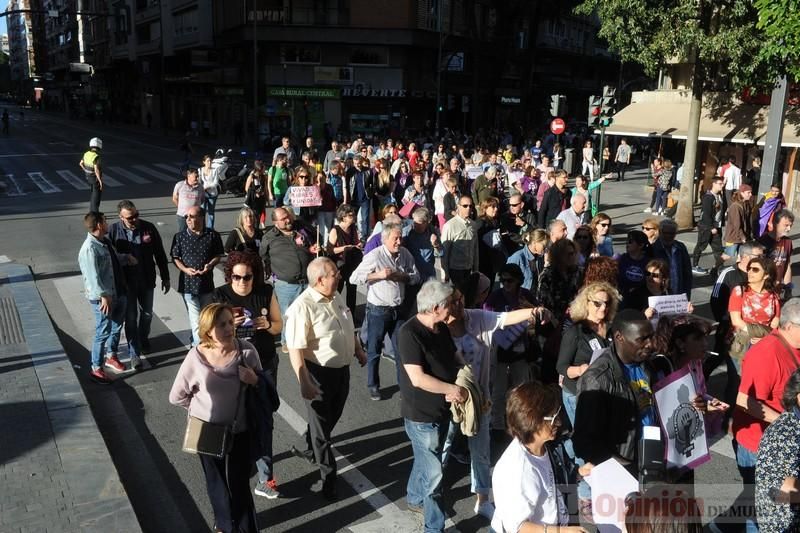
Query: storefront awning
[(739, 123)]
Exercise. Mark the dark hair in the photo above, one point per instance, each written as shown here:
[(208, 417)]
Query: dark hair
[(790, 391), (511, 269), (663, 509), (626, 320), (469, 288), (769, 269), (783, 213), (601, 269), (92, 219), (663, 268), (558, 252), (677, 327), (526, 407), (247, 258), (127, 205)]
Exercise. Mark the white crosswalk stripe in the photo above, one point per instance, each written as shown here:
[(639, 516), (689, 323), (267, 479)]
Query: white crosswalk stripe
[(111, 182), (17, 190), (172, 170), (127, 174), (43, 183), (156, 174), (73, 180)]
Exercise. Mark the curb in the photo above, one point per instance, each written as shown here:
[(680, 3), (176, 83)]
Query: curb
[(101, 503)]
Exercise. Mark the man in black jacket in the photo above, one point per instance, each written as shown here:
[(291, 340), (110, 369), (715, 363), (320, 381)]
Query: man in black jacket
[(709, 228), (361, 187), (615, 395), (555, 199), (287, 251), (140, 249), (515, 223)]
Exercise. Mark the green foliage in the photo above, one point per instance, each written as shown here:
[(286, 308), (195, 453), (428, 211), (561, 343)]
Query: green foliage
[(728, 36), (780, 22)]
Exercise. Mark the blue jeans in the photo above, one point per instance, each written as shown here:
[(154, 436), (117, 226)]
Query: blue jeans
[(661, 199), (286, 293), (746, 461), (570, 402), (138, 317), (209, 204), (362, 219), (107, 329), (194, 304), (480, 460), (264, 463), (424, 487), (382, 320)]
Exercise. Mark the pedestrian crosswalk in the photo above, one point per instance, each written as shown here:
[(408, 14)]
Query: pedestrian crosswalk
[(51, 181)]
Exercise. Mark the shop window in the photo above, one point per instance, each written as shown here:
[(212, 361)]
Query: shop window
[(300, 54), (369, 56)]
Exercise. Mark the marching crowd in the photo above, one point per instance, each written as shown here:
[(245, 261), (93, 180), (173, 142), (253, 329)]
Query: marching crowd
[(495, 286)]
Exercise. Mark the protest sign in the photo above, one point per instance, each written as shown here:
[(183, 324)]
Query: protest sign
[(304, 196)]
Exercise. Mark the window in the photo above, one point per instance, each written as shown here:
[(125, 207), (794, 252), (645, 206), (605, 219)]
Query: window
[(186, 22), (300, 54), (369, 56)]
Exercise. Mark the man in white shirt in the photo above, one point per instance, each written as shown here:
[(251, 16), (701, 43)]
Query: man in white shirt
[(732, 178), (386, 271), (574, 216), (460, 242)]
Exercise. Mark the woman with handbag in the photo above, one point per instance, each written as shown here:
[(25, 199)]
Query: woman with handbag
[(245, 235), (754, 306), (257, 317), (210, 385)]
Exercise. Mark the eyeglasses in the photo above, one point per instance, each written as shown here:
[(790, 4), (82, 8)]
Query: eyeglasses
[(654, 275), (648, 228), (552, 419), (599, 304), (245, 278), (755, 269), (604, 224)]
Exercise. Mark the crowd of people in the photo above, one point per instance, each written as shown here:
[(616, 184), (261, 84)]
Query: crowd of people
[(496, 289)]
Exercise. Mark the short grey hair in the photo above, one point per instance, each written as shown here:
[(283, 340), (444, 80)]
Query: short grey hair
[(576, 197), (491, 172), (666, 225), (317, 269), (432, 294), (749, 247), (515, 195), (421, 215), (555, 222), (388, 229), (790, 313)]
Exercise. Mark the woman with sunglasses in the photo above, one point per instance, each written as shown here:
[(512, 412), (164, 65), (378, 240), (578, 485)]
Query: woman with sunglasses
[(528, 475), (302, 178), (591, 312), (584, 239), (754, 306), (650, 228), (491, 254), (601, 230), (473, 331), (402, 179), (257, 319)]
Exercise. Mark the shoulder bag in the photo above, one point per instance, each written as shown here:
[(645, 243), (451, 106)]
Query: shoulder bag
[(205, 438)]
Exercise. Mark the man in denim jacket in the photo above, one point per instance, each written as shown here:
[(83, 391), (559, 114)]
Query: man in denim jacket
[(104, 286)]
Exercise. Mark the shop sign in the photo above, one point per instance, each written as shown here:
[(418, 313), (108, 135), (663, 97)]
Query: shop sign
[(228, 91), (510, 100), (303, 92), (333, 75), (386, 93)]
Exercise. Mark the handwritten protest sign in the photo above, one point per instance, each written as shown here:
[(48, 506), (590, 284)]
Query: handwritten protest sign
[(674, 304), (304, 196), (474, 172)]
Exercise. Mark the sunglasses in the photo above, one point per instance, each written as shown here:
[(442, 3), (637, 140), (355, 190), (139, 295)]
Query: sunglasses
[(515, 205), (245, 278), (755, 269), (552, 419), (648, 228), (654, 275), (465, 206), (604, 224), (599, 304)]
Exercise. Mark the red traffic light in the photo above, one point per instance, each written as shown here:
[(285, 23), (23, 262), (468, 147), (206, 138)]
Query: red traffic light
[(595, 111)]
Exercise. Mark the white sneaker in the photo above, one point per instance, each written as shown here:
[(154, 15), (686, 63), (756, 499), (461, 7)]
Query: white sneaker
[(648, 210), (485, 509), (136, 362)]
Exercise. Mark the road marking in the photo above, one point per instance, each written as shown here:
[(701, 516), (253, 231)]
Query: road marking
[(73, 180), (156, 174), (111, 182), (127, 174), (171, 169), (42, 182), (19, 191)]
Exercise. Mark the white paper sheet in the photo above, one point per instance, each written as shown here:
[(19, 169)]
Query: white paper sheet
[(610, 484)]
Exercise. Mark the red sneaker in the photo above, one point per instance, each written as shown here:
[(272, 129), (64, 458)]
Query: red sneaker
[(114, 363), (99, 376)]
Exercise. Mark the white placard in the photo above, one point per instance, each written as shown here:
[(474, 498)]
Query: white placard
[(611, 484), (673, 304)]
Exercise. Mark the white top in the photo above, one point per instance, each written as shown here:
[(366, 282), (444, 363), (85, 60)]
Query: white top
[(572, 219), (525, 490), (733, 178), (385, 292), (210, 180), (439, 192), (322, 327), (476, 345), (588, 154)]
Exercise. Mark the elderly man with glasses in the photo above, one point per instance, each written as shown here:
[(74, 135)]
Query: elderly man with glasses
[(195, 252), (140, 249), (460, 243), (515, 223)]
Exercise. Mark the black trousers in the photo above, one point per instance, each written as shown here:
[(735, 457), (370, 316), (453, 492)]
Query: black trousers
[(94, 197), (228, 485), (459, 277), (323, 415), (621, 168), (704, 238)]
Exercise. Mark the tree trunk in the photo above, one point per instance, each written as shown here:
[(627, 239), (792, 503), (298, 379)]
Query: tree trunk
[(685, 214)]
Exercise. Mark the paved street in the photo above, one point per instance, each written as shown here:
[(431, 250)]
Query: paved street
[(42, 201)]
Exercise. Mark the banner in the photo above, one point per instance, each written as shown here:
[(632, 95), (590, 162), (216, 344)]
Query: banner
[(304, 196)]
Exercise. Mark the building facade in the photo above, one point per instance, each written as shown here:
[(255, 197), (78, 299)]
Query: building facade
[(25, 49)]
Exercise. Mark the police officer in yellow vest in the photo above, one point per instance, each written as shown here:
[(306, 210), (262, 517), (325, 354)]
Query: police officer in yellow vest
[(90, 164)]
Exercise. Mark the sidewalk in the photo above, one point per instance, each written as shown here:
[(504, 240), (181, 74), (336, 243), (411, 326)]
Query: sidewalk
[(55, 471)]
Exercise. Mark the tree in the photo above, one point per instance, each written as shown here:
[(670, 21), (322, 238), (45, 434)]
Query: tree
[(719, 38), (780, 22)]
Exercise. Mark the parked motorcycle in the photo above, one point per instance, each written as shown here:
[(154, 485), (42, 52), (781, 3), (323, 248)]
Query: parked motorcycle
[(234, 175)]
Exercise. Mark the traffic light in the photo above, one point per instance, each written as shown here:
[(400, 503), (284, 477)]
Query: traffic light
[(595, 103), (609, 105), (558, 104)]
